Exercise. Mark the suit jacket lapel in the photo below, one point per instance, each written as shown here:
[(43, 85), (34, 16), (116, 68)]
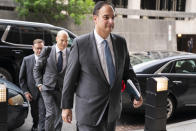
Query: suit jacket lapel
[(53, 57), (114, 44), (66, 61), (95, 56), (32, 62)]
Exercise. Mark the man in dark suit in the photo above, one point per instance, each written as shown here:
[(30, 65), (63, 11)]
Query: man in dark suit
[(27, 83), (97, 64), (49, 73)]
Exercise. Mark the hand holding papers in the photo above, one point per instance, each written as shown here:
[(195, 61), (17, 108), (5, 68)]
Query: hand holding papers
[(138, 100), (133, 90)]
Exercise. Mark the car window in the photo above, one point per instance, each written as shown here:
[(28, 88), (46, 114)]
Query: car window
[(28, 34), (48, 38), (24, 35), (134, 60), (2, 29), (13, 35), (181, 66), (185, 66), (168, 68)]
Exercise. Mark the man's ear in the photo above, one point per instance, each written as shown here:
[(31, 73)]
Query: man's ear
[(94, 18)]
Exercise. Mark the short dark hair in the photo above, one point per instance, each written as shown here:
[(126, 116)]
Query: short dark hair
[(99, 5), (36, 41)]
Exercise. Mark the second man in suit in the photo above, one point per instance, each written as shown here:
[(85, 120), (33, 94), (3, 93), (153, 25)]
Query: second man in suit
[(49, 73)]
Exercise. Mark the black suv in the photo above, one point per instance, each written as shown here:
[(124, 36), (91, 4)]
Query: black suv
[(16, 42)]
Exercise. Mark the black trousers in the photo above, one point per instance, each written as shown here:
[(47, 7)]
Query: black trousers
[(34, 112), (38, 113), (102, 126)]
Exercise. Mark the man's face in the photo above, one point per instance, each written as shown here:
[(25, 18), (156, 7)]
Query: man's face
[(62, 40), (37, 48), (104, 20)]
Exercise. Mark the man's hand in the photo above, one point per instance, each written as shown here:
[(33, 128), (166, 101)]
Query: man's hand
[(67, 115), (28, 96), (138, 103)]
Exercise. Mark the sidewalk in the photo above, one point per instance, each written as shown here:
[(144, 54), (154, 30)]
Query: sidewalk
[(189, 125)]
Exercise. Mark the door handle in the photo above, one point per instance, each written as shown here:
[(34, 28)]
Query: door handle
[(177, 82), (17, 51)]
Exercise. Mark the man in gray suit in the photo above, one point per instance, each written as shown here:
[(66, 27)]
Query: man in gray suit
[(27, 83), (97, 64), (49, 73)]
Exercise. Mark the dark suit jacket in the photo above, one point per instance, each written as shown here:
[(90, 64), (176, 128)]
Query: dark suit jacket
[(45, 69), (26, 80), (93, 92)]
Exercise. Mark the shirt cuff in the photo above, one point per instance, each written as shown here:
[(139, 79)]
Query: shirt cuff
[(39, 85), (26, 92)]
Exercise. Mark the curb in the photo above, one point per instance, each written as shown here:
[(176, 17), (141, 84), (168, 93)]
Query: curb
[(189, 125)]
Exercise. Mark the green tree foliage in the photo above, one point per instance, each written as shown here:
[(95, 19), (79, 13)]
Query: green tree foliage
[(50, 10)]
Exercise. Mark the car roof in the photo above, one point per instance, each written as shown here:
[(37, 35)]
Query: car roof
[(33, 24), (144, 66), (18, 22)]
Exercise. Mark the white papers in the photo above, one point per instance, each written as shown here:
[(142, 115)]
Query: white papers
[(134, 89)]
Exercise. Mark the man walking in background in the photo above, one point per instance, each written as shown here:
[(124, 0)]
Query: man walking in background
[(27, 83), (97, 64), (190, 45), (49, 73)]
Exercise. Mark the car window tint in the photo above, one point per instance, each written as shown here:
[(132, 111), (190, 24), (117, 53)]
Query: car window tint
[(134, 60), (2, 30), (24, 35), (168, 68), (13, 35), (53, 34), (48, 38), (185, 66), (28, 34)]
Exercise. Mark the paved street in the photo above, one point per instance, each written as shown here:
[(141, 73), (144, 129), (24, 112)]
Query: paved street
[(28, 124), (128, 122)]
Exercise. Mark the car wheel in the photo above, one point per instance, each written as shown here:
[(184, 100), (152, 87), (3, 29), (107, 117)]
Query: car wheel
[(170, 107), (4, 74)]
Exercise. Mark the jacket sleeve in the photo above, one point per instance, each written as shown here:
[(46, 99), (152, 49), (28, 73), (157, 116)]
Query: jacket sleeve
[(129, 72), (39, 66), (23, 77), (71, 77)]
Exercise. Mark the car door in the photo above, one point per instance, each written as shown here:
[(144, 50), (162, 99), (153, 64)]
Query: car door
[(18, 41), (182, 80)]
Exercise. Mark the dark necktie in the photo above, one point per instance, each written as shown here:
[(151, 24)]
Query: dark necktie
[(109, 62), (60, 61)]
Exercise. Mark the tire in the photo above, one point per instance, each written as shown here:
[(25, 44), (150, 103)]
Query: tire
[(4, 74), (170, 107)]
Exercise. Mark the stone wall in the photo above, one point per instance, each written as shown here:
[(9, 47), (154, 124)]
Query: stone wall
[(141, 34)]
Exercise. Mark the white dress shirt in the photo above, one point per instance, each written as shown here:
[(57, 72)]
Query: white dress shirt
[(101, 52), (36, 57), (64, 56)]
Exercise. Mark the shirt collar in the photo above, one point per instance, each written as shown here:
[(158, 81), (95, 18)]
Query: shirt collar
[(99, 39), (57, 50)]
